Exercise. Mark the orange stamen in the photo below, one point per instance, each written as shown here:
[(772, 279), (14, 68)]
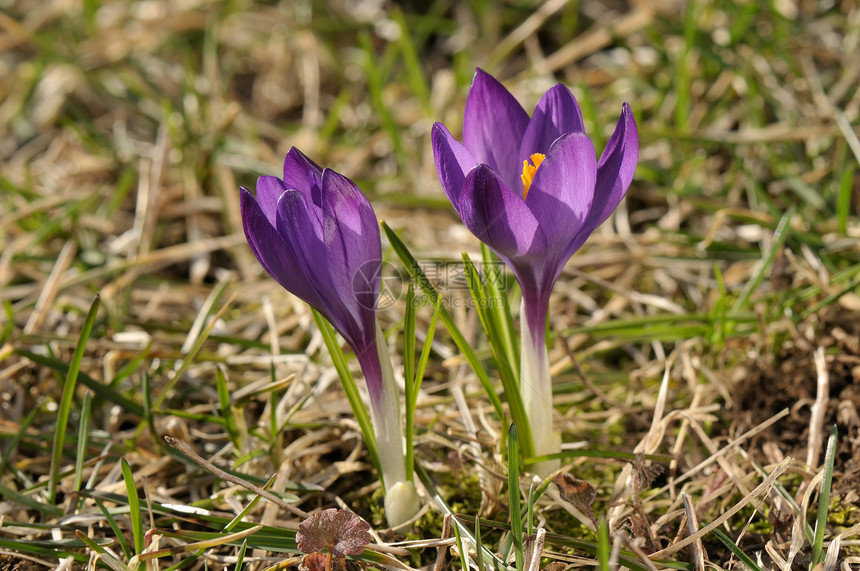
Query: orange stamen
[(529, 171)]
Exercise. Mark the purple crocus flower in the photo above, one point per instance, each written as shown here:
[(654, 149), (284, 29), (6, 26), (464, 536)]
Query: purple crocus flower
[(316, 234), (532, 189)]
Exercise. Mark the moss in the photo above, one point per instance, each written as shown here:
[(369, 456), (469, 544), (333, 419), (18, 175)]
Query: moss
[(841, 514)]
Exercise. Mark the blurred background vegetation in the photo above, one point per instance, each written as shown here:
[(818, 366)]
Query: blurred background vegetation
[(127, 126)]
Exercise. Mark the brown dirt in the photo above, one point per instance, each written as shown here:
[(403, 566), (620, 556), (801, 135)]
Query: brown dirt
[(790, 381)]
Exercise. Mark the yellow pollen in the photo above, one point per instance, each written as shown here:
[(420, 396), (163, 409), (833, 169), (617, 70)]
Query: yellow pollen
[(529, 171)]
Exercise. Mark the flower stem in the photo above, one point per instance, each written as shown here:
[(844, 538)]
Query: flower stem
[(536, 387), (401, 499)]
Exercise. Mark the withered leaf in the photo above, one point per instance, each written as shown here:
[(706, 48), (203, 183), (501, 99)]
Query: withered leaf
[(574, 490), (313, 562), (644, 474), (339, 530)]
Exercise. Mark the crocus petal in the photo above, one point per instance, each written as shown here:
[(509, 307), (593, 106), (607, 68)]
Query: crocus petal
[(352, 240), (563, 189), (498, 216), (272, 251), (493, 126), (302, 174), (300, 224), (614, 174), (269, 190), (557, 113), (453, 161), (344, 202), (331, 253), (302, 230)]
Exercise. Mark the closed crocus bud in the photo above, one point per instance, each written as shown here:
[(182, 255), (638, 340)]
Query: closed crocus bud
[(316, 234)]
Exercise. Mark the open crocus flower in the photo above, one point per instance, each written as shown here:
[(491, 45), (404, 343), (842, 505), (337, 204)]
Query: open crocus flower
[(532, 189), (316, 234)]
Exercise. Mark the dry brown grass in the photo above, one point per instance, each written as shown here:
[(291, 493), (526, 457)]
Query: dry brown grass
[(714, 320)]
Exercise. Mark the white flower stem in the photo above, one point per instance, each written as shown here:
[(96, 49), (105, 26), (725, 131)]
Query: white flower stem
[(536, 391), (401, 499)]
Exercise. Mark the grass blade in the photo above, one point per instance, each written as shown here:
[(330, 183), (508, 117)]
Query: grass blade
[(420, 278), (117, 532), (132, 365), (66, 400), (102, 391), (530, 511), (824, 501), (133, 507), (428, 343), (843, 202), (464, 557), (104, 556), (230, 424), (374, 75), (349, 387), (479, 545), (514, 495), (739, 553), (493, 322), (193, 348), (8, 325), (412, 62), (414, 379), (240, 559), (83, 432), (603, 545), (49, 509), (779, 237), (12, 446)]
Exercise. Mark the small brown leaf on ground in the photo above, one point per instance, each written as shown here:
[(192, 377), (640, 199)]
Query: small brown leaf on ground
[(575, 491), (339, 530), (644, 474), (313, 562)]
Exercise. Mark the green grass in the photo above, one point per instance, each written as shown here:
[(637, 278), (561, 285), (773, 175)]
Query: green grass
[(125, 130)]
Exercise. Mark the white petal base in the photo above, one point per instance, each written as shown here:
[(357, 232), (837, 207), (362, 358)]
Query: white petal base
[(536, 392), (401, 503)]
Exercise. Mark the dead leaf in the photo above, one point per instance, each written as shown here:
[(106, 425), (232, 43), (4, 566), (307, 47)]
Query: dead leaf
[(339, 530)]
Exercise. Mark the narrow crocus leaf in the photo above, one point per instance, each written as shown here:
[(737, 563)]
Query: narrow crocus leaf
[(456, 335)]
